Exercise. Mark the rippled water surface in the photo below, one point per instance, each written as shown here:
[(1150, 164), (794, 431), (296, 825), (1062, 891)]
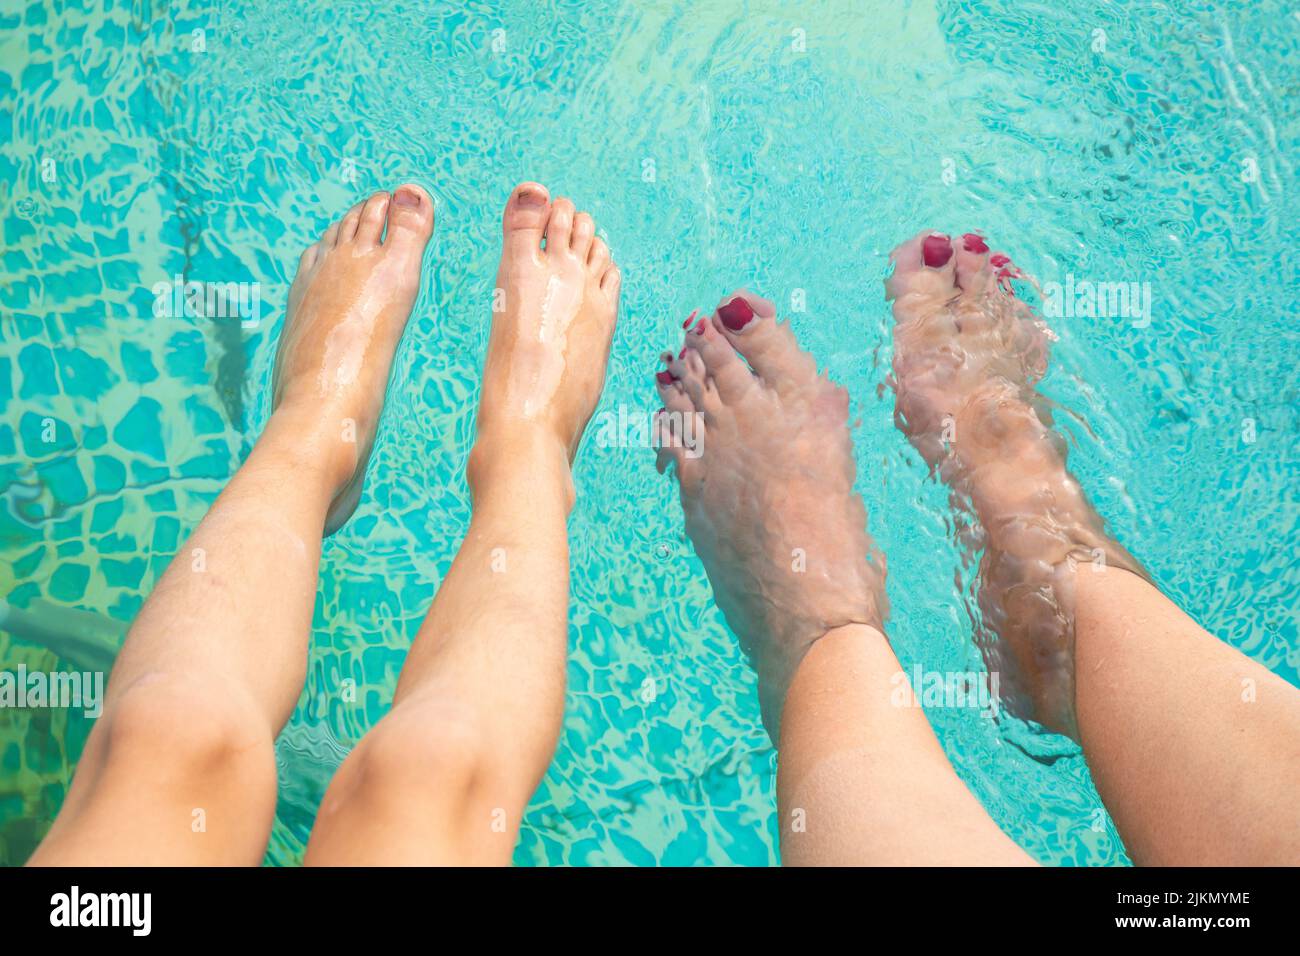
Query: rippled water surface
[(783, 146)]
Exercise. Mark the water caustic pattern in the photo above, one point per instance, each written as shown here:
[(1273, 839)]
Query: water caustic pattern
[(787, 148)]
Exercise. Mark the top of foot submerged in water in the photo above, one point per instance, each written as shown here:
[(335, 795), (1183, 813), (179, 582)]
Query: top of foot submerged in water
[(766, 475), (968, 354)]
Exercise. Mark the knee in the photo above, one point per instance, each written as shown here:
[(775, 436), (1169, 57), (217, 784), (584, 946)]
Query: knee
[(430, 751), (190, 726)]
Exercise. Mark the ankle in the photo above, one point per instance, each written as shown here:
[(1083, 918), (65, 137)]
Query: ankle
[(523, 459), (316, 452), (777, 676)]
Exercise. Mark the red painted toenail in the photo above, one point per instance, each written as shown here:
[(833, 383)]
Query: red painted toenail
[(682, 353), (975, 243), (690, 318), (665, 357), (999, 260), (936, 251), (665, 378), (736, 314), (699, 329)]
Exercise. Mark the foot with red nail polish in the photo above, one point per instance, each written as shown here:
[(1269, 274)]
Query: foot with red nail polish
[(553, 319), (348, 306), (967, 357), (767, 489)]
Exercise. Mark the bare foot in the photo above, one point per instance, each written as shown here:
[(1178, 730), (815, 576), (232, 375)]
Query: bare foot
[(348, 306), (763, 455), (967, 355), (553, 320)]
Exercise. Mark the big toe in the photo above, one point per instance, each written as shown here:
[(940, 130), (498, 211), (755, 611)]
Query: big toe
[(924, 265), (525, 216), (410, 220), (749, 323)]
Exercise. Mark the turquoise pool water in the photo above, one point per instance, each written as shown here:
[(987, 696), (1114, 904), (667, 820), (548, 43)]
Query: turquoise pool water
[(782, 146)]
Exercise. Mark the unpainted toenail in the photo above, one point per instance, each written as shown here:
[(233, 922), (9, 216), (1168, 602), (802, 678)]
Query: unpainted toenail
[(936, 250), (736, 314), (530, 198), (406, 197), (975, 243)]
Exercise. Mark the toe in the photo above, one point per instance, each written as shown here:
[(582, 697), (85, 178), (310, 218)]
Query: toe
[(370, 229), (924, 265), (348, 227), (679, 433), (971, 253), (731, 376), (672, 448), (328, 237), (612, 281), (410, 220), (559, 227), (749, 323), (688, 368), (308, 258), (666, 452), (584, 231), (598, 256), (1002, 270), (668, 383), (524, 220)]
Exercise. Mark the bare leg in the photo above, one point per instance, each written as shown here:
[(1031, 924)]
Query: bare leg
[(863, 780), (1194, 748), (180, 768), (766, 469), (445, 776)]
